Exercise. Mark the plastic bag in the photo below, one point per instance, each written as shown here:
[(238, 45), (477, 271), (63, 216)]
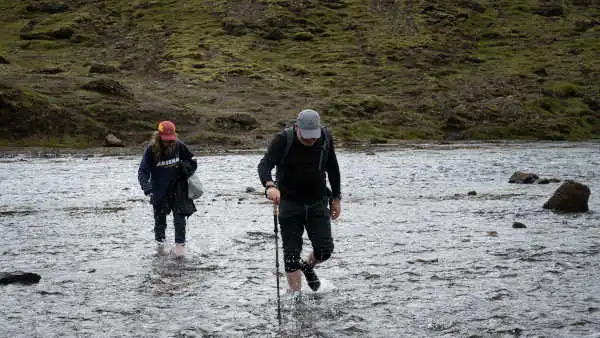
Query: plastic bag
[(195, 189)]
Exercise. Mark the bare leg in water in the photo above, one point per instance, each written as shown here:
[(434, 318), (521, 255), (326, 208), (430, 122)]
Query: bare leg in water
[(294, 281), (295, 278)]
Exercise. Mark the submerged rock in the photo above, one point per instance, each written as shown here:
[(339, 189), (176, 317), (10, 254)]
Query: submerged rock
[(571, 196), (421, 260), (547, 180), (519, 225), (523, 178), (19, 277)]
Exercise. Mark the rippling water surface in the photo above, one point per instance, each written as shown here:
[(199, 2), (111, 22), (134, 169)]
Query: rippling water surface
[(414, 255)]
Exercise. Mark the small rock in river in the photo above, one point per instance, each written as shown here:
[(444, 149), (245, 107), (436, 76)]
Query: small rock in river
[(518, 225)]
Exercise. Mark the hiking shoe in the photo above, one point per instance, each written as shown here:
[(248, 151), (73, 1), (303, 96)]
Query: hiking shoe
[(161, 248), (311, 277), (179, 250)]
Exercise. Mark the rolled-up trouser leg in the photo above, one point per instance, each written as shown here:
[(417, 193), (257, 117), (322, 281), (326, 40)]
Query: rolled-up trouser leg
[(318, 227), (291, 219), (179, 223), (160, 224)]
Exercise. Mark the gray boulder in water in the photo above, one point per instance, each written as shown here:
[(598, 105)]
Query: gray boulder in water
[(571, 196), (19, 277), (523, 178)]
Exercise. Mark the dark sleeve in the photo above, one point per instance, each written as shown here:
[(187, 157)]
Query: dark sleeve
[(144, 171), (271, 158), (188, 164), (184, 152), (333, 171)]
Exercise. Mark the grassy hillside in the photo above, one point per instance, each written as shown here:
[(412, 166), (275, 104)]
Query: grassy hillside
[(233, 72)]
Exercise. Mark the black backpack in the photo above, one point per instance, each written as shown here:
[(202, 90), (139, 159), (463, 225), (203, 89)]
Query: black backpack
[(289, 139)]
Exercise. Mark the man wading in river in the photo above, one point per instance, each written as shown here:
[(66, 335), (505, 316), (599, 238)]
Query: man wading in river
[(303, 154)]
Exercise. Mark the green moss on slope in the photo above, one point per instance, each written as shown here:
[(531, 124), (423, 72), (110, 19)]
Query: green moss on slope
[(377, 70)]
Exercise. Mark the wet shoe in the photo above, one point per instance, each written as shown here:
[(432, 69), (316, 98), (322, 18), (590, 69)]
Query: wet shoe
[(311, 277), (179, 250), (161, 248)]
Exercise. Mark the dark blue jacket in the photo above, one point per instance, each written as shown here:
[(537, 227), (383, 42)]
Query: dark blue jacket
[(158, 178)]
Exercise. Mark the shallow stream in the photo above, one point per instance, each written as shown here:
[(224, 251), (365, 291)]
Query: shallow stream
[(416, 255)]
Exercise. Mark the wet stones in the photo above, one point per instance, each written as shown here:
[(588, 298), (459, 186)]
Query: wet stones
[(520, 177), (523, 178), (19, 277), (19, 213), (519, 225), (423, 261), (571, 196)]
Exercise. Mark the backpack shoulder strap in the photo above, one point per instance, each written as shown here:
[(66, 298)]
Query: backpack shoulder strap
[(289, 139), (324, 148)]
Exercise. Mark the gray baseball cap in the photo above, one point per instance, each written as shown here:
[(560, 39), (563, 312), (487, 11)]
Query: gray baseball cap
[(309, 123)]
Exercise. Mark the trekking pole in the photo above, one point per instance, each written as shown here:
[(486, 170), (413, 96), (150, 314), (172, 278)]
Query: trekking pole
[(275, 212)]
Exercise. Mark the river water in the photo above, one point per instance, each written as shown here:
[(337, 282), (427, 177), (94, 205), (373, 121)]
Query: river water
[(414, 254)]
